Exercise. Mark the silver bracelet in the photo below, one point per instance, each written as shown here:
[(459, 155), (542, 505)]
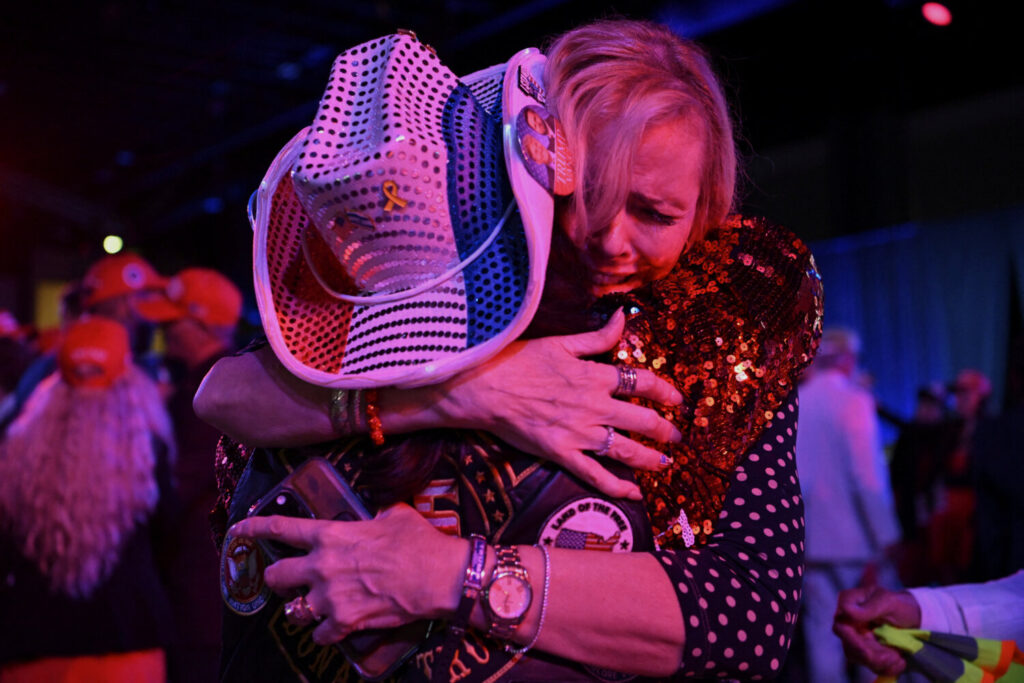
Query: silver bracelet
[(357, 412), (347, 412), (543, 605), (337, 411)]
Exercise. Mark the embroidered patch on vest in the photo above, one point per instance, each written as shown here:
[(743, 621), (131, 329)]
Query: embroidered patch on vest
[(591, 524), (588, 524), (241, 576), (438, 502)]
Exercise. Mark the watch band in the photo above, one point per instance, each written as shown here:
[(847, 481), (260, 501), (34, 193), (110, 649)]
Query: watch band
[(472, 583)]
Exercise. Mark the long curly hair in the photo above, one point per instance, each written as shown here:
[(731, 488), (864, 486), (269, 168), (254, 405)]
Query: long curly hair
[(77, 475)]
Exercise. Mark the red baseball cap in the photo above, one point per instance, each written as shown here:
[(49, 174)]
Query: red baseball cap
[(199, 293), (122, 274), (94, 353)]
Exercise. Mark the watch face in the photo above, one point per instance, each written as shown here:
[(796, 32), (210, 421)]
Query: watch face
[(509, 596)]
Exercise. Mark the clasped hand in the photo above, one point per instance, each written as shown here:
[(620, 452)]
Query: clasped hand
[(379, 573), (542, 397), (859, 611)]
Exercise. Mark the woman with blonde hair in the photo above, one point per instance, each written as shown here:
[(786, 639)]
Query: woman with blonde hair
[(83, 475), (709, 318)]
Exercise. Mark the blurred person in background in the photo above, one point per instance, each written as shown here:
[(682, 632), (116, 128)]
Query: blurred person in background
[(126, 288), (44, 355), (201, 311), (951, 526), (922, 446), (992, 610), (998, 456), (116, 287), (851, 521), (83, 475), (22, 367), (16, 355)]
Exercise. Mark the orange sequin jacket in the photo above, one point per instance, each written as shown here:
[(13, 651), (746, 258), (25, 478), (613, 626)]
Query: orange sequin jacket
[(732, 326)]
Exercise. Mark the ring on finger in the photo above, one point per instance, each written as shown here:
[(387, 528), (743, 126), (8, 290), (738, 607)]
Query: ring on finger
[(608, 440), (627, 381), (295, 612), (299, 612)]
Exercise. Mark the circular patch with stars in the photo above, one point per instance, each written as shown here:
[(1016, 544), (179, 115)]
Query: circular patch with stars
[(241, 576), (588, 524), (591, 524)]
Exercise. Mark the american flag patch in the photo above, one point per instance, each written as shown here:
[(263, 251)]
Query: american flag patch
[(589, 523), (584, 540)]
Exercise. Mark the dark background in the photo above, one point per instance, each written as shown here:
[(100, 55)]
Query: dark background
[(155, 120)]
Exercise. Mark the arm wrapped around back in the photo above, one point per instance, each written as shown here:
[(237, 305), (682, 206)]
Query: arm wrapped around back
[(732, 326)]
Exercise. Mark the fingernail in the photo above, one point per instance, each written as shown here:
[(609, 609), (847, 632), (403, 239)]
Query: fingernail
[(635, 494), (665, 461), (676, 399), (677, 436)]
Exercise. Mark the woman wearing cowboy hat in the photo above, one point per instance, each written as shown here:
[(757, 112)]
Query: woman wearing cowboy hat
[(728, 308)]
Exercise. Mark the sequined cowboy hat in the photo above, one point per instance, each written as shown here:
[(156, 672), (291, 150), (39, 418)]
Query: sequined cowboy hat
[(401, 237)]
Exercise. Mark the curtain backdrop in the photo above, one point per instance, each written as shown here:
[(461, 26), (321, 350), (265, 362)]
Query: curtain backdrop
[(927, 299)]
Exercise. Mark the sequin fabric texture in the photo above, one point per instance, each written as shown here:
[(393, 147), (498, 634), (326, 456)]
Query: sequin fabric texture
[(732, 326), (228, 464)]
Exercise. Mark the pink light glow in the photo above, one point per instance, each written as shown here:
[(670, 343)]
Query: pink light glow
[(936, 13)]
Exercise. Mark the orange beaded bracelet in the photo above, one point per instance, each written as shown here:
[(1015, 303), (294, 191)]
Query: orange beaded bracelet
[(373, 417)]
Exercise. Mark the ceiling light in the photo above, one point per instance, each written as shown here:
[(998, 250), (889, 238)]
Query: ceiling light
[(112, 244), (936, 13)]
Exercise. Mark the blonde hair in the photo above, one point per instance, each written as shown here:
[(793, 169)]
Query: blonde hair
[(609, 82), (77, 475)]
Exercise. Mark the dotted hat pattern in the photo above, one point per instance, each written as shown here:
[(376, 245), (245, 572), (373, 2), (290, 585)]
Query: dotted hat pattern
[(400, 177)]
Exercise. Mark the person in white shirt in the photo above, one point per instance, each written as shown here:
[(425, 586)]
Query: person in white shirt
[(981, 610), (851, 522)]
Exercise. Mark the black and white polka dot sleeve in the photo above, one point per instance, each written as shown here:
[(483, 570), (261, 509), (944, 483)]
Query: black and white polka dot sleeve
[(740, 593)]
